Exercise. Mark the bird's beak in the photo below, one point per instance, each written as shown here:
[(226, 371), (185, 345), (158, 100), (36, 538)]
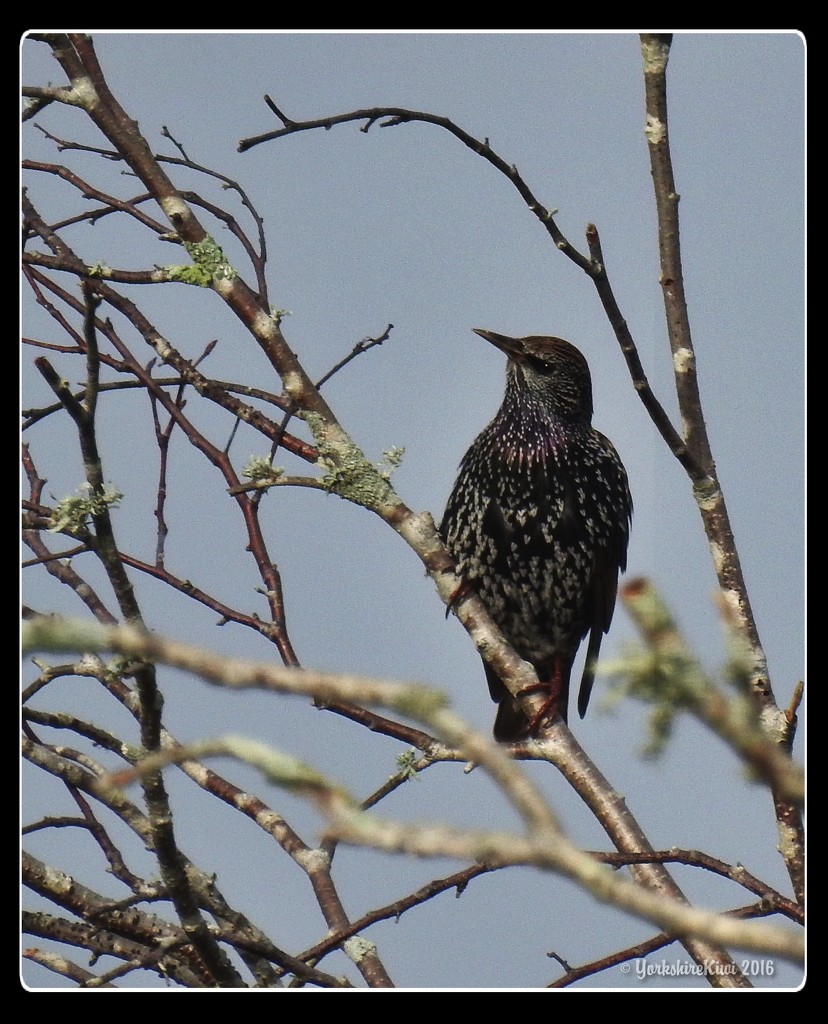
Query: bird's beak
[(511, 346)]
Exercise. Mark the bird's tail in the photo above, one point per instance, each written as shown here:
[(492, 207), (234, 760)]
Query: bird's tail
[(588, 678)]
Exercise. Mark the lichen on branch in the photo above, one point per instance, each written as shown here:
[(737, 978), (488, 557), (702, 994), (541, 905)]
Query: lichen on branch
[(348, 473), (209, 264)]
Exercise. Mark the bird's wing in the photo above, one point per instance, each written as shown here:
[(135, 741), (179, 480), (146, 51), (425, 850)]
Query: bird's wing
[(609, 561)]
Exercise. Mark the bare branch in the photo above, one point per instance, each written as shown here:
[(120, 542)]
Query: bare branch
[(545, 846)]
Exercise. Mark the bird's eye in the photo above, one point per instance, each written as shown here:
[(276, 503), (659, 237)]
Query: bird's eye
[(538, 365)]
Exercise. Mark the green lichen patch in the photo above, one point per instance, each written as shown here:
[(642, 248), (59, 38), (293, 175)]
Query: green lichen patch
[(348, 473), (209, 264), (72, 513)]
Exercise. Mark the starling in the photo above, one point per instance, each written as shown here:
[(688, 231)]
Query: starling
[(538, 523)]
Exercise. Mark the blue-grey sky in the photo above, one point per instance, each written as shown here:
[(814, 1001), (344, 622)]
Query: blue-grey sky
[(404, 225)]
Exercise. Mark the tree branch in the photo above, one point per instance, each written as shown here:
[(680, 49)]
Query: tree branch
[(545, 846)]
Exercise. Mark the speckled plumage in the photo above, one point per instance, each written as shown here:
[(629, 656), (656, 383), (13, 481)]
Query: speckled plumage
[(538, 521)]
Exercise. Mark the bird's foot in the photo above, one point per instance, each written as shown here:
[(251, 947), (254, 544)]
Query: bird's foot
[(463, 589), (551, 706)]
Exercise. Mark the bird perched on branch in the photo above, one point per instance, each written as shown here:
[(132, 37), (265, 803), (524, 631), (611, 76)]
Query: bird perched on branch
[(538, 524)]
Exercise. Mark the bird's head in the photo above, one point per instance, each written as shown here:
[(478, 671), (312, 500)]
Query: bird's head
[(551, 370)]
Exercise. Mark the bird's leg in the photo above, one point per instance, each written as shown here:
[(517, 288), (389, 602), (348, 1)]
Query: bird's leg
[(552, 688), (463, 588)]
